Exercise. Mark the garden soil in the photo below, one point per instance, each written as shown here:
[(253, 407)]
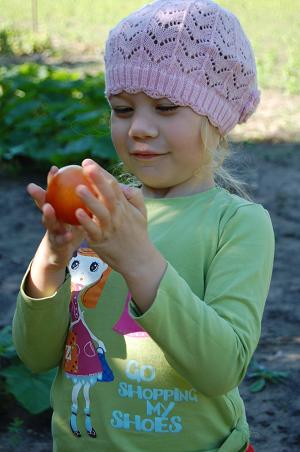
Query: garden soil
[(272, 171)]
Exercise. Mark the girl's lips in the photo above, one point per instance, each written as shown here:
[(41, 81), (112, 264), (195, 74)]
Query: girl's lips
[(146, 155)]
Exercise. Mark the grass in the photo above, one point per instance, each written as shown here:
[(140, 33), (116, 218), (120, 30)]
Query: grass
[(273, 27)]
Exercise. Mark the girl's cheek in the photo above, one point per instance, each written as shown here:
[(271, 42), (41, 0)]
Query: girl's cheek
[(117, 130)]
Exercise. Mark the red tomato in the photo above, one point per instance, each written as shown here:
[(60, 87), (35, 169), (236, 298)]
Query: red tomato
[(62, 196)]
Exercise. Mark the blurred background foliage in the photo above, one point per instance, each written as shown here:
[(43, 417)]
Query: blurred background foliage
[(53, 116), (56, 113)]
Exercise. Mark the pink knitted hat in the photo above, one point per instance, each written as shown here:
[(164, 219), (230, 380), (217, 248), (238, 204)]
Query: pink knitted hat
[(194, 52)]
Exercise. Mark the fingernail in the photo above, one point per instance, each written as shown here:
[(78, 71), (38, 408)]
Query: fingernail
[(80, 213), (87, 162), (30, 186), (82, 190)]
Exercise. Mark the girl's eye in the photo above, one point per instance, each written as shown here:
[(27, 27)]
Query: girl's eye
[(120, 110), (163, 108), (167, 107)]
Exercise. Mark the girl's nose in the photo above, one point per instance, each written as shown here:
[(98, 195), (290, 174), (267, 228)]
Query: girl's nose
[(142, 127)]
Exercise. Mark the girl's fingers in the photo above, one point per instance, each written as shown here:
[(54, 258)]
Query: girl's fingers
[(94, 205), (107, 187), (51, 173), (110, 191), (60, 233), (37, 194), (91, 163), (87, 162), (49, 217), (50, 220), (93, 230), (135, 197)]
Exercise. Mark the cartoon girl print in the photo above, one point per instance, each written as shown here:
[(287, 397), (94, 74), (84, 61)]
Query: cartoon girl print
[(84, 360)]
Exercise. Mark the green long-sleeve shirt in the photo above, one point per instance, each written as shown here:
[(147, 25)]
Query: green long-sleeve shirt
[(171, 374)]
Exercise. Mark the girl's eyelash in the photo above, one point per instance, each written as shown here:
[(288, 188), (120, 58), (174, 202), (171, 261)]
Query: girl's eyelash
[(167, 108), (121, 110), (128, 109)]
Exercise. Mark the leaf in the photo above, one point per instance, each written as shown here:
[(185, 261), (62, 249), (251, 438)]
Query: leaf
[(36, 124), (90, 116), (268, 375), (258, 385), (14, 151), (7, 349), (280, 374), (84, 144), (104, 148), (21, 149), (70, 108), (31, 390), (20, 110)]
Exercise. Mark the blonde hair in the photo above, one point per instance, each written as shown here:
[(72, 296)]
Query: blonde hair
[(216, 151)]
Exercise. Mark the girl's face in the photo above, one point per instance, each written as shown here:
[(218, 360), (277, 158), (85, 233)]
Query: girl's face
[(160, 144), (85, 270)]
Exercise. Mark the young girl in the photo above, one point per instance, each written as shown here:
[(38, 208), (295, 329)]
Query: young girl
[(186, 264)]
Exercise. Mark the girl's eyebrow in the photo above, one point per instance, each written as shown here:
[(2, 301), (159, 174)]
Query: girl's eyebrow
[(125, 96), (121, 95), (116, 97)]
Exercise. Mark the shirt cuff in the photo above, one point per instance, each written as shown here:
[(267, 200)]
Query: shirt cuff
[(63, 290), (155, 309)]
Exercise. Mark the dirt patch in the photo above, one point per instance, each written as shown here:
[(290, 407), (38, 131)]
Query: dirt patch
[(272, 172)]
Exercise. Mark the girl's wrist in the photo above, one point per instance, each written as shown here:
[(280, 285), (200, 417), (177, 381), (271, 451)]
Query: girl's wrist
[(47, 272), (143, 279), (43, 280), (54, 259)]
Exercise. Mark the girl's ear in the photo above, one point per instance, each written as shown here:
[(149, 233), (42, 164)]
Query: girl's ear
[(93, 293)]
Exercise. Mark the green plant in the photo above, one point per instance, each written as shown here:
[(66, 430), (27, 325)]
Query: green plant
[(20, 43), (15, 430), (32, 391), (7, 349), (52, 116), (5, 42), (262, 376)]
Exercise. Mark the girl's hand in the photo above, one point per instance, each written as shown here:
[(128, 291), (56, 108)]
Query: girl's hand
[(118, 230), (61, 239)]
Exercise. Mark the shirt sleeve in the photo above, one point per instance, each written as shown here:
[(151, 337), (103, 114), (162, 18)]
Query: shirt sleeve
[(210, 342), (40, 327)]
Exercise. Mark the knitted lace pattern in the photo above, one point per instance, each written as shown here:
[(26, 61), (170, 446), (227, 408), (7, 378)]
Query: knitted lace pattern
[(194, 52)]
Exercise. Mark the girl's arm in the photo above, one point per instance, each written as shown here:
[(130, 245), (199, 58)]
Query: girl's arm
[(48, 268), (45, 274), (41, 318), (40, 327), (210, 342)]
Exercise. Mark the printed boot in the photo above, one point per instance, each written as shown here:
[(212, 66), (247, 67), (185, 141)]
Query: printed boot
[(88, 424), (73, 421)]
